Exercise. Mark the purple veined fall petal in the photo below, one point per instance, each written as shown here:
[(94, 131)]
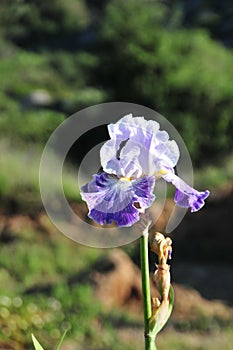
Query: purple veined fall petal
[(185, 195), (117, 199)]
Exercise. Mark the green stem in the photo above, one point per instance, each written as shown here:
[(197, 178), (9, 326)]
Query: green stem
[(149, 342), (145, 277)]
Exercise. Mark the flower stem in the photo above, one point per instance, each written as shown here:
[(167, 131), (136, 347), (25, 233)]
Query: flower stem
[(149, 342)]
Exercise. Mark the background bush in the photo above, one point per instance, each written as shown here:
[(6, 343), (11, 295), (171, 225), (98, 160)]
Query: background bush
[(179, 72)]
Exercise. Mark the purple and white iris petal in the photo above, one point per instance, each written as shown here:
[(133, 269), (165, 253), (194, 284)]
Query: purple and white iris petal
[(153, 143), (124, 218), (108, 153), (138, 156), (137, 129), (167, 153), (112, 199), (185, 195), (121, 129), (130, 167), (126, 165), (143, 189)]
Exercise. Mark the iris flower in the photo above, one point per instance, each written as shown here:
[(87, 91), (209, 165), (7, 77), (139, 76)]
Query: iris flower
[(136, 156)]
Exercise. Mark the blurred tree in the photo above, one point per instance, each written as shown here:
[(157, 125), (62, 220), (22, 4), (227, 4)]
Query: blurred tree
[(30, 23), (213, 15), (143, 54), (178, 72)]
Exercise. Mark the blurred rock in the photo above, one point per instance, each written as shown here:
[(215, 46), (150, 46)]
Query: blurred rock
[(117, 283), (189, 304), (37, 99), (117, 280)]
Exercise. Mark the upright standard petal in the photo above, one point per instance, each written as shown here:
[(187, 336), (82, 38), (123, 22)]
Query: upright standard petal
[(185, 195), (127, 164), (155, 150), (121, 200)]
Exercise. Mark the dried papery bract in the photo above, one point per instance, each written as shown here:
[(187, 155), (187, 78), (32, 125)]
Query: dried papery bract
[(161, 305), (163, 248)]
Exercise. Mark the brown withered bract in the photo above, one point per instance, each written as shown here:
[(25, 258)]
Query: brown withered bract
[(162, 247)]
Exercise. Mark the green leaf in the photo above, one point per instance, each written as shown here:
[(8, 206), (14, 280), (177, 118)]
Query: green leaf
[(158, 321), (61, 340), (36, 343)]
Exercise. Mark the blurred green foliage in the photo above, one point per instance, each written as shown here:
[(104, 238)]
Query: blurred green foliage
[(36, 22), (46, 295), (83, 52), (30, 127), (213, 15), (19, 176), (181, 73)]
